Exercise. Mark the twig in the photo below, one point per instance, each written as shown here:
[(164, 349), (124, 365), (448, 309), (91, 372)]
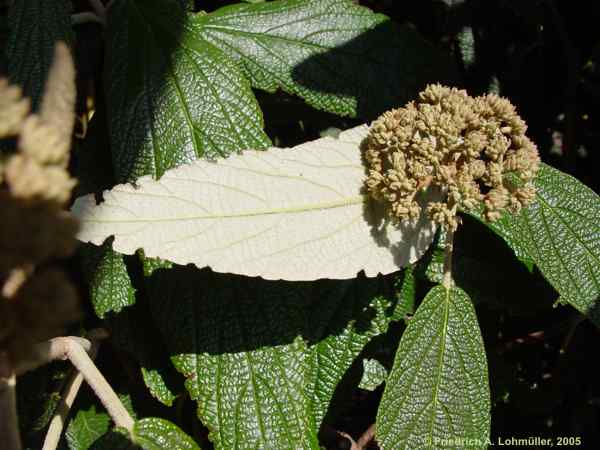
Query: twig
[(447, 280), (81, 360), (74, 348), (362, 442), (68, 397), (62, 410), (86, 17), (366, 438), (9, 421), (347, 436), (52, 350)]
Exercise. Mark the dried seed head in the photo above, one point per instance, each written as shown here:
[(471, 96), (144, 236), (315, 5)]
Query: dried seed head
[(35, 185), (473, 149), (13, 109)]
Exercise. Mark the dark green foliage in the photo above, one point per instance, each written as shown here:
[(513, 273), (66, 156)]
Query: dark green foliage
[(230, 362)]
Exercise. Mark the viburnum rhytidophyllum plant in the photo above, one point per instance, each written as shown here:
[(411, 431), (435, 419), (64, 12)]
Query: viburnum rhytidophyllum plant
[(310, 212), (291, 242)]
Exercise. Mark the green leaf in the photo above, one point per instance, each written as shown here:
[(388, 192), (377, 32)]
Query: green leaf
[(263, 358), (110, 286), (172, 98), (345, 317), (34, 27), (374, 374), (115, 439), (406, 294), (336, 55), (151, 433), (86, 427), (159, 434), (243, 363), (503, 228), (154, 378), (466, 47), (560, 233), (438, 388)]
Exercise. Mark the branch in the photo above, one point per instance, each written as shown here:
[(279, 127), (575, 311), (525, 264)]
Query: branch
[(81, 360), (74, 349), (48, 351), (67, 398), (62, 410)]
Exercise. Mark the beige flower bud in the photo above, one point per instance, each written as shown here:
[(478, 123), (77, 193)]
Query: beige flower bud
[(457, 144)]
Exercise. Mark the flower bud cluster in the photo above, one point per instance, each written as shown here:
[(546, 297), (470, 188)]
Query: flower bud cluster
[(473, 149), (35, 185)]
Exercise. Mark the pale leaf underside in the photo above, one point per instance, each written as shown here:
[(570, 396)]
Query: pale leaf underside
[(294, 214)]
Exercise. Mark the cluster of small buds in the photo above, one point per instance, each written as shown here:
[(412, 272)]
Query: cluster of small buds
[(473, 149), (36, 302)]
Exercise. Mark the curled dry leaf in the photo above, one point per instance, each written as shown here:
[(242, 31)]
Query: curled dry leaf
[(300, 213)]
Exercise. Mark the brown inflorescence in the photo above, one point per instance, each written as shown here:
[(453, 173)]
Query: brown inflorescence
[(474, 150), (36, 304)]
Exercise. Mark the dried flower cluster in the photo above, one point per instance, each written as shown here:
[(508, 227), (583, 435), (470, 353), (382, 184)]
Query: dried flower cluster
[(473, 149), (35, 303)]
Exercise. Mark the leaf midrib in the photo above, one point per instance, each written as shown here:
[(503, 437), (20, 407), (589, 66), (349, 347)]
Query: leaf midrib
[(435, 399), (261, 212)]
